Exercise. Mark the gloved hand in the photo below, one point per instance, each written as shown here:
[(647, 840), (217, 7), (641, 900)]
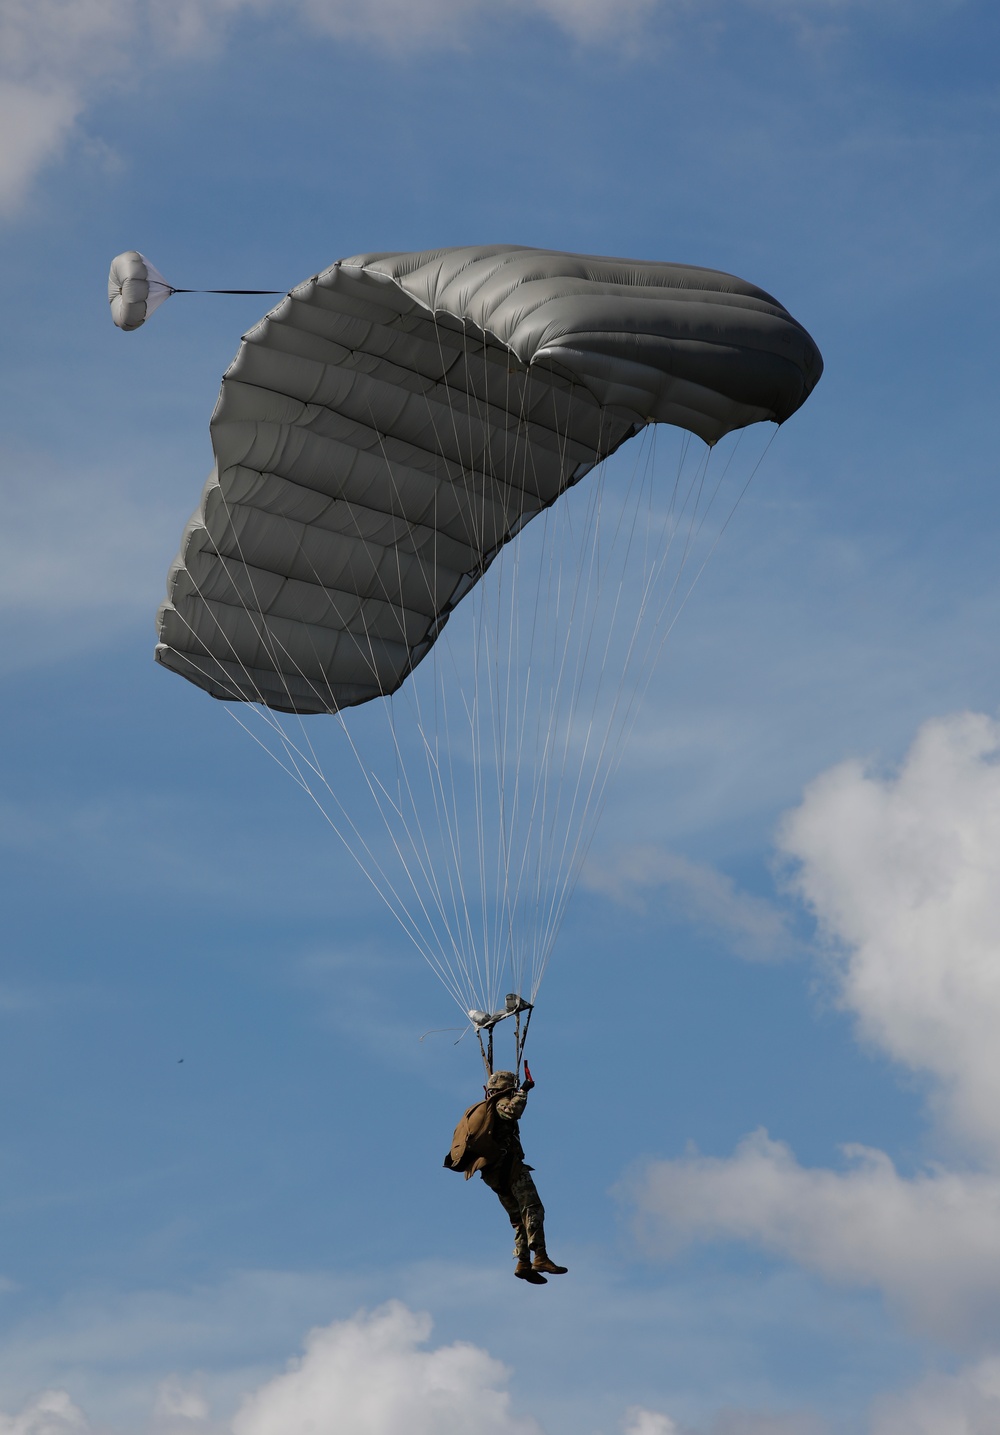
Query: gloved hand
[(528, 1082)]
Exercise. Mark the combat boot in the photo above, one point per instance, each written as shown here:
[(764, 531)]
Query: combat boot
[(542, 1264), (524, 1272)]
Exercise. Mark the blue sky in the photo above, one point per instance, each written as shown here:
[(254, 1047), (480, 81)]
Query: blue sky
[(789, 924)]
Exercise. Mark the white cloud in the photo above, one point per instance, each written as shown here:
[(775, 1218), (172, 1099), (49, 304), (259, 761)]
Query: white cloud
[(395, 24), (34, 125), (649, 1422), (39, 38), (175, 1398), (56, 56), (182, 1362), (53, 1413), (124, 1356), (964, 1404), (50, 52), (903, 875), (931, 1243), (901, 872), (592, 20), (753, 927), (369, 1375), (391, 22)]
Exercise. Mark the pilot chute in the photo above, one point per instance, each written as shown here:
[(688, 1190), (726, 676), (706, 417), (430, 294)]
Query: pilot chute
[(136, 288)]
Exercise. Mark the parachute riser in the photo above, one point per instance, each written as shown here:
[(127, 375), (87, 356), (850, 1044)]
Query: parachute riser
[(521, 1037), (486, 1022)]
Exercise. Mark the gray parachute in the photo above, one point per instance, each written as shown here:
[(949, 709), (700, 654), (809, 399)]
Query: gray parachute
[(395, 420), (381, 437)]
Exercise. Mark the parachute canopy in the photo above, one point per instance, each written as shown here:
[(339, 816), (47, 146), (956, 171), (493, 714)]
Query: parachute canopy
[(380, 438), (395, 420), (135, 289)]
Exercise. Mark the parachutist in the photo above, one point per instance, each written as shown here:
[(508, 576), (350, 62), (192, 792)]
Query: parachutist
[(488, 1140)]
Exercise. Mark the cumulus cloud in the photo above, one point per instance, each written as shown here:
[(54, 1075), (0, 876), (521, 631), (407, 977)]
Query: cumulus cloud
[(375, 1373), (370, 1375), (903, 875), (901, 872), (752, 927)]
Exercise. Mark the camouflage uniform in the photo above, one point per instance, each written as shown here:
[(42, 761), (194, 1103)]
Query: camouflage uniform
[(510, 1178)]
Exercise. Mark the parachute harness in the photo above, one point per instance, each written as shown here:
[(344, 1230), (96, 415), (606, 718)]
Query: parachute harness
[(486, 1022)]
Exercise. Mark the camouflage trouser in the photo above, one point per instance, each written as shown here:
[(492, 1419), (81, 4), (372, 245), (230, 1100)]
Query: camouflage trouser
[(523, 1206)]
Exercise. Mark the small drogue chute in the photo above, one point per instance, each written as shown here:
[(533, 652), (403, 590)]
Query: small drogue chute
[(136, 289)]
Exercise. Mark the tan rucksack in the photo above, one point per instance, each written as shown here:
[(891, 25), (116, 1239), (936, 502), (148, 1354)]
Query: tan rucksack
[(474, 1146)]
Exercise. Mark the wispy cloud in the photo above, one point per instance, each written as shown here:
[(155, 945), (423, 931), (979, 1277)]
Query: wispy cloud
[(751, 926), (82, 558), (35, 122), (749, 1422), (967, 1402), (130, 841), (649, 1422), (446, 22), (58, 56), (930, 1243), (52, 54), (51, 1413)]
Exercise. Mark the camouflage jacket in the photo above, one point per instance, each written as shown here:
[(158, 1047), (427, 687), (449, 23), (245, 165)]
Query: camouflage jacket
[(506, 1132), (487, 1137)]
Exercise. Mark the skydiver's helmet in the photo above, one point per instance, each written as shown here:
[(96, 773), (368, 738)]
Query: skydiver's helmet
[(500, 1082)]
